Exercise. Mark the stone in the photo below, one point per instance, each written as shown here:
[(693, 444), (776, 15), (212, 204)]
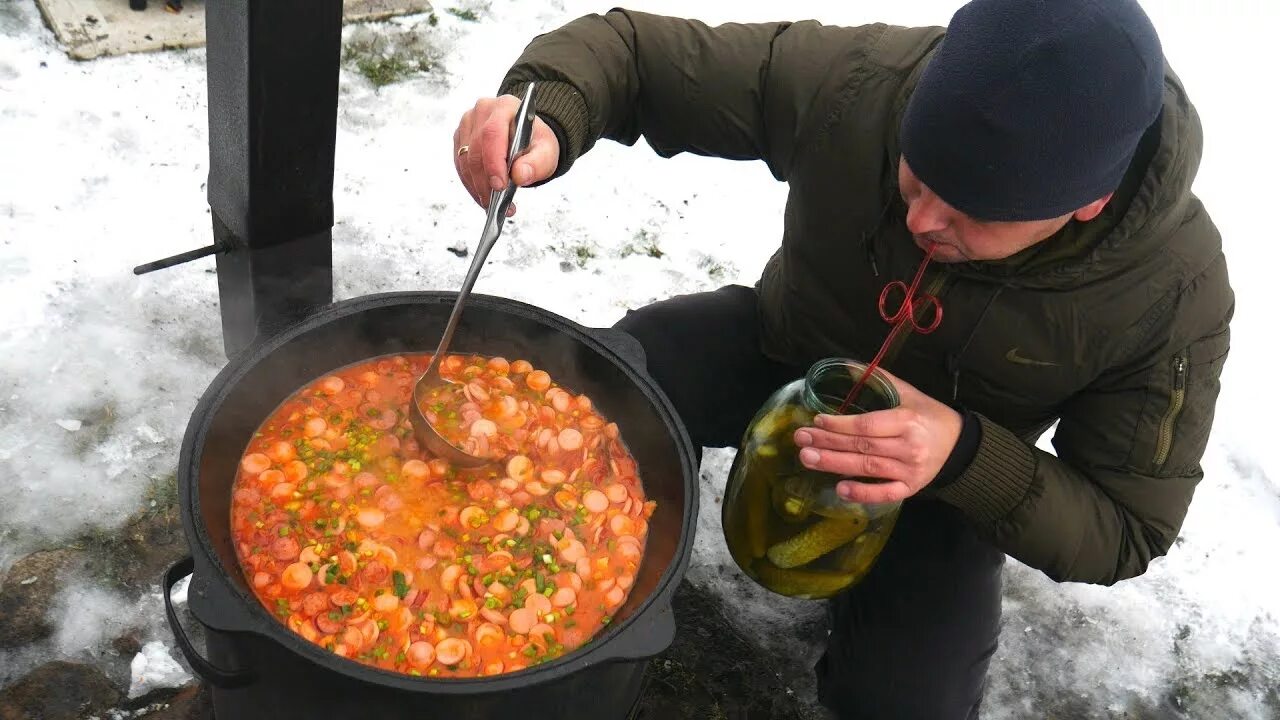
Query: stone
[(712, 670), (26, 594), (127, 645), (58, 691), (135, 557), (191, 702)]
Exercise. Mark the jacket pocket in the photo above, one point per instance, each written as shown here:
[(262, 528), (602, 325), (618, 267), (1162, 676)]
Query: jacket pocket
[(1171, 426), (1189, 401), (1177, 396)]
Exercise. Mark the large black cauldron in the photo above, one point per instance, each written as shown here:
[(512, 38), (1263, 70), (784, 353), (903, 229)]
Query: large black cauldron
[(259, 669)]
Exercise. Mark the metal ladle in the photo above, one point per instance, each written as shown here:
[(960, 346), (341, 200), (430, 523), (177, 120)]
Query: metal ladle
[(499, 201)]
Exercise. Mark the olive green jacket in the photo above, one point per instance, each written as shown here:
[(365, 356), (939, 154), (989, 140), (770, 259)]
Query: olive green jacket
[(1116, 328)]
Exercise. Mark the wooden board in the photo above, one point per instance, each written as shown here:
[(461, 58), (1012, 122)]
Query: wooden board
[(88, 29)]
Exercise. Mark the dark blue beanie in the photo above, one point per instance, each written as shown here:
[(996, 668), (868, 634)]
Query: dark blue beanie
[(1032, 109)]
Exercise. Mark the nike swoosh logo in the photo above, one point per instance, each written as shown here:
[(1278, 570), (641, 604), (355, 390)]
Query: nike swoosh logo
[(1013, 357)]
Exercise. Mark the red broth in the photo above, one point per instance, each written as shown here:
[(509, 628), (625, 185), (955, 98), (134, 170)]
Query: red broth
[(362, 542)]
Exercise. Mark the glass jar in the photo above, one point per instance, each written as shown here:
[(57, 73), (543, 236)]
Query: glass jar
[(783, 523)]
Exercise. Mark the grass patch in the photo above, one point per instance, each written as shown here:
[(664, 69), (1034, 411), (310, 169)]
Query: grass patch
[(714, 269), (466, 14), (385, 55), (576, 253), (388, 70), (161, 493), (96, 426), (644, 242)]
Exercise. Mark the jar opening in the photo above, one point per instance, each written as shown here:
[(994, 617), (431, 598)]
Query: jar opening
[(829, 382)]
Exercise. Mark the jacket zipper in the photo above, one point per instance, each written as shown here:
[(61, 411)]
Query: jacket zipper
[(1164, 441), (868, 242)]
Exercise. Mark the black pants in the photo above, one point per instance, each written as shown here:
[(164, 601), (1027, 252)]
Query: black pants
[(914, 639)]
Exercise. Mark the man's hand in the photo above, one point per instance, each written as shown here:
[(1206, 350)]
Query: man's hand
[(485, 132), (905, 446)]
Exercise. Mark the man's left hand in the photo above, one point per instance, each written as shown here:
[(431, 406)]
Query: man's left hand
[(906, 446)]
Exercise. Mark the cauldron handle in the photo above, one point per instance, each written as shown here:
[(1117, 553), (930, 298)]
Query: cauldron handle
[(624, 345), (205, 670)]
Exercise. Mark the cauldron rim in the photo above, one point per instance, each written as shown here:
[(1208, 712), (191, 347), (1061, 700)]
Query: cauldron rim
[(651, 615)]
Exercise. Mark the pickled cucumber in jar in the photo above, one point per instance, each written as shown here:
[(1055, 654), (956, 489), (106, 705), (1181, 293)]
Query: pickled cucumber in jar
[(783, 523)]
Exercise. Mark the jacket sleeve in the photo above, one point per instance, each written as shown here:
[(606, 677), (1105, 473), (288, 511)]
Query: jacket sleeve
[(1128, 455), (735, 91)]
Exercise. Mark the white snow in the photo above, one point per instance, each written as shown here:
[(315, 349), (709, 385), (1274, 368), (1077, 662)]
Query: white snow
[(102, 167), (153, 667)]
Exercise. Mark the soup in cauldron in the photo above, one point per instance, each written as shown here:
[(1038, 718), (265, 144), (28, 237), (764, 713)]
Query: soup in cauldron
[(360, 541)]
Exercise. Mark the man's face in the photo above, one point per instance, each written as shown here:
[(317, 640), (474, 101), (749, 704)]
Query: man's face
[(961, 238)]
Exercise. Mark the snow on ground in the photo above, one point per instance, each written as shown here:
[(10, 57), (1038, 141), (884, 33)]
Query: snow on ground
[(102, 167)]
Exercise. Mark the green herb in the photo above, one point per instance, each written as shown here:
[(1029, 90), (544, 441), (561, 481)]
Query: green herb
[(402, 588)]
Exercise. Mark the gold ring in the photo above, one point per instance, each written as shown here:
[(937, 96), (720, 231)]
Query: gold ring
[(464, 150)]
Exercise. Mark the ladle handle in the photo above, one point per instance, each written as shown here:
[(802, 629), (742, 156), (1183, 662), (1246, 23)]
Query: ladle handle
[(499, 201)]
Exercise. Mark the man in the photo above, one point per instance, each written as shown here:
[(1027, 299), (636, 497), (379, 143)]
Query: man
[(1048, 153)]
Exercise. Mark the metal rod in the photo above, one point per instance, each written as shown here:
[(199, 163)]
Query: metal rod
[(499, 202), (178, 259)]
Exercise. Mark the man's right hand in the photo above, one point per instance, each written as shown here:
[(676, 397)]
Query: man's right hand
[(485, 133)]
